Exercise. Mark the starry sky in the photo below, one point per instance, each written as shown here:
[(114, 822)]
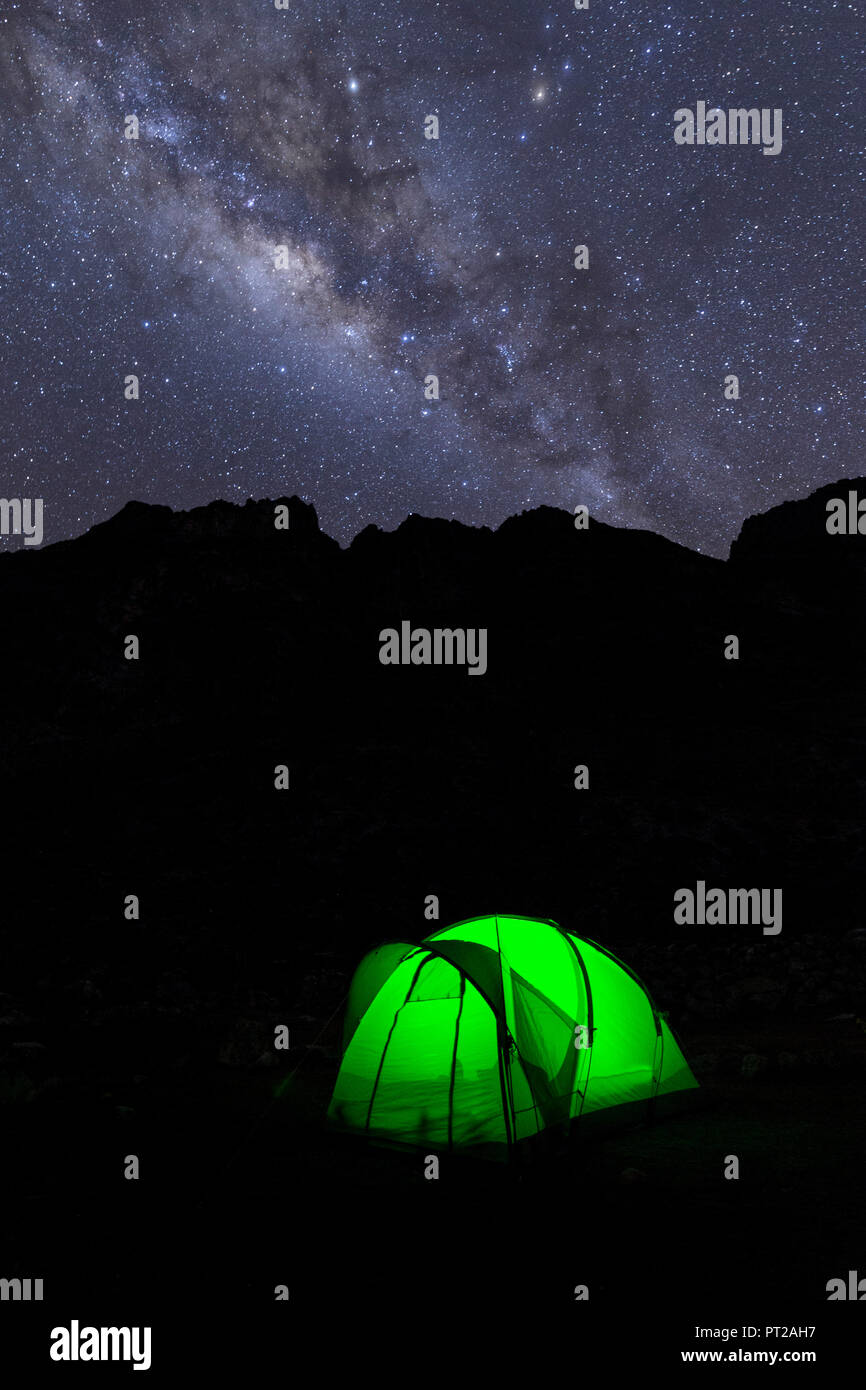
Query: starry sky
[(406, 256)]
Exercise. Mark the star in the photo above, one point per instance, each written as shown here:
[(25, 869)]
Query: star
[(406, 256)]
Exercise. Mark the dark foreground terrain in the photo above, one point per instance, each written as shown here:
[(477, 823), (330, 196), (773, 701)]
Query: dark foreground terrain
[(154, 1036)]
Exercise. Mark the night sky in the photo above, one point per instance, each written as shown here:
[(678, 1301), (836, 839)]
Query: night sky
[(409, 256)]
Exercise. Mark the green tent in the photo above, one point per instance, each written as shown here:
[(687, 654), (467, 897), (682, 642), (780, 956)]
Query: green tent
[(490, 1031)]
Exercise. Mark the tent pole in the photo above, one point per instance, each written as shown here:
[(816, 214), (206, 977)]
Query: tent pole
[(454, 1064), (504, 1058)]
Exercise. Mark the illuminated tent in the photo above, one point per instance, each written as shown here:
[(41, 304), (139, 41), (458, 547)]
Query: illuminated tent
[(490, 1031)]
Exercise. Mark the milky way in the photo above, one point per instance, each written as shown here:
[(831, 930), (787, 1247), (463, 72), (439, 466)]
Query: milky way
[(409, 257)]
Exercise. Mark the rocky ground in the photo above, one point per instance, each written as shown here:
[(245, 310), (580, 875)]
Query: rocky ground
[(154, 1036)]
